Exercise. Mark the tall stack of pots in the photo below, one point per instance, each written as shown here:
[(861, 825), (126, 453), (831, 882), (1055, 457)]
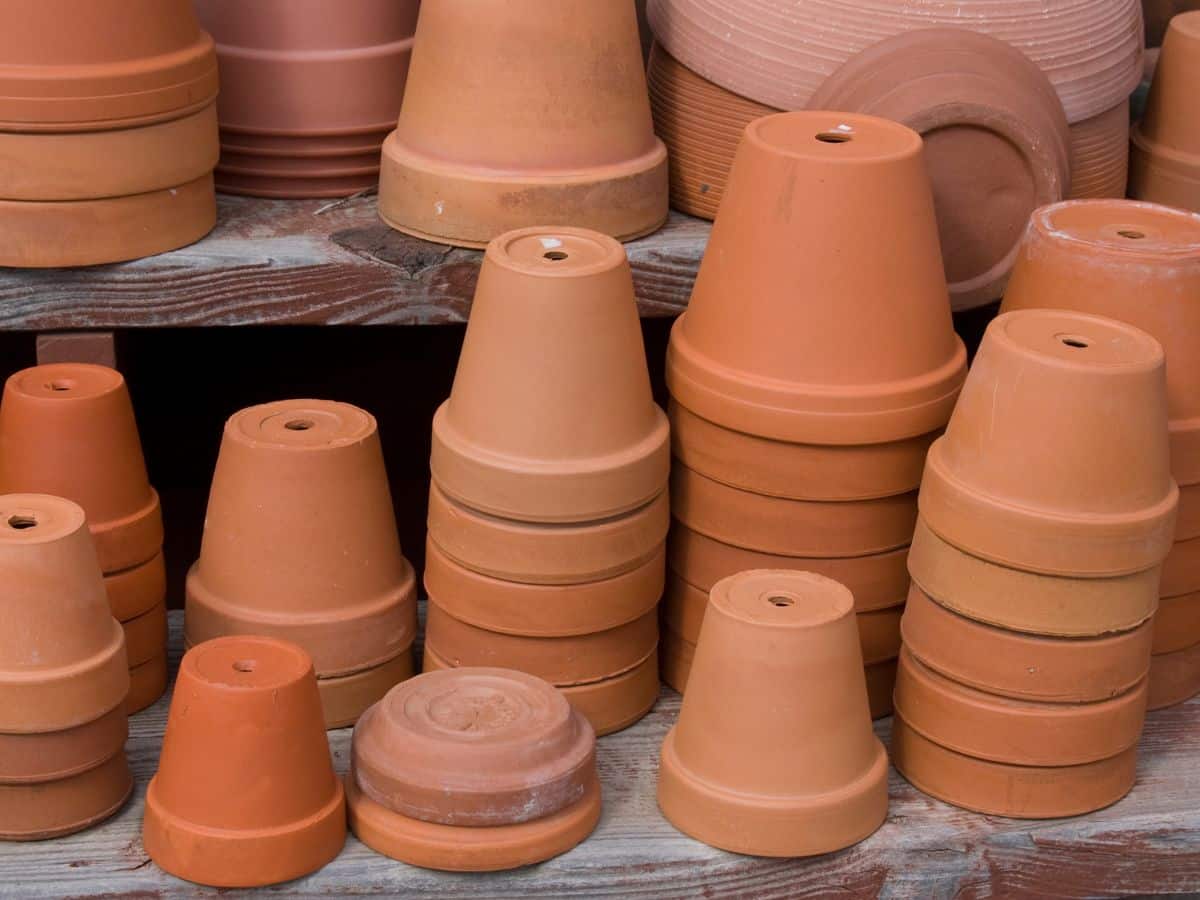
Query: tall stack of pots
[(548, 509), (1047, 509), (816, 363)]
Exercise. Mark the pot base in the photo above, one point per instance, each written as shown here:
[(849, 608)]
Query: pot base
[(1174, 677), (38, 812), (147, 683)]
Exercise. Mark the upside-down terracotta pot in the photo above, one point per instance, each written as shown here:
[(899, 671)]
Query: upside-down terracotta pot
[(133, 592), (1174, 677), (885, 367), (146, 636), (147, 683), (1094, 497), (245, 793), (1177, 623), (505, 124), (37, 758), (300, 539), (1135, 262), (755, 766), (38, 811), (1165, 165), (1181, 569), (551, 418)]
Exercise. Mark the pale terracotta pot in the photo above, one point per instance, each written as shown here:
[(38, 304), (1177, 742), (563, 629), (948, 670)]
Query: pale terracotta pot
[(1174, 677), (551, 418), (55, 755), (132, 592), (147, 683), (755, 766), (1094, 497), (245, 793), (40, 811), (1177, 623), (506, 125)]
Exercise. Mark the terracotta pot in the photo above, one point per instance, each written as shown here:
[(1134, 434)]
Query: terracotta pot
[(1023, 666), (1187, 523), (40, 811), (276, 181), (55, 755), (245, 793), (146, 636), (998, 789), (62, 656), (881, 685), (490, 140), (345, 698), (70, 72), (543, 611), (1181, 570), (147, 683), (748, 356), (1174, 677), (1158, 15), (1177, 623), (1135, 262), (551, 417), (300, 539), (791, 527), (753, 765), (133, 592), (1064, 508), (1165, 165), (1100, 154), (554, 554), (675, 658), (1028, 602), (68, 429)]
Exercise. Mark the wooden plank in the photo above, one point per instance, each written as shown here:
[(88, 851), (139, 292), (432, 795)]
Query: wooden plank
[(1149, 843), (306, 262)]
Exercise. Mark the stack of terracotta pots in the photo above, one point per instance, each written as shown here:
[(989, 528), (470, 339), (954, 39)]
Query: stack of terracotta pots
[(520, 113), (309, 90), (473, 770), (1166, 143), (815, 364), (68, 429), (108, 131), (300, 543), (548, 511), (63, 676), (1046, 512), (1139, 263)]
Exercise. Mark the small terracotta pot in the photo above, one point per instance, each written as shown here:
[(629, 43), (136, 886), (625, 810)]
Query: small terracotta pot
[(1181, 569), (791, 527), (1174, 677), (493, 139), (1135, 262), (548, 554), (245, 793), (40, 811), (998, 789), (753, 765), (147, 683), (1100, 154), (543, 611), (1028, 602), (300, 539), (68, 429), (1069, 507), (146, 636), (55, 755), (133, 592), (1177, 623), (551, 418), (346, 697), (1023, 666), (62, 656), (748, 356)]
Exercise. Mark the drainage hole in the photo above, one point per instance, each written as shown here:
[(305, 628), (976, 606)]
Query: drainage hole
[(299, 425), (1078, 343), (245, 665), (554, 255), (834, 137), (1131, 234), (60, 386), (22, 523), (781, 601)]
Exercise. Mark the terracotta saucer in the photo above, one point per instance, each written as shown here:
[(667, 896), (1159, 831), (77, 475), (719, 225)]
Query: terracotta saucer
[(40, 811), (1174, 677), (53, 756), (147, 683), (146, 636), (132, 592), (1177, 623)]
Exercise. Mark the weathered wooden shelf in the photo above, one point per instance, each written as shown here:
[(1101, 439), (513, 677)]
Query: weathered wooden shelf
[(274, 262), (1148, 844)]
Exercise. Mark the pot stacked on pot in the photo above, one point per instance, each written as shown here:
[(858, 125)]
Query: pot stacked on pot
[(1047, 509), (1139, 263), (548, 511), (815, 364), (68, 430)]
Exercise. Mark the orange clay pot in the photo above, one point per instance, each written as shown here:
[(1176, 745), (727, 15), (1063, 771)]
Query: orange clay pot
[(1022, 666), (1187, 523), (881, 685), (754, 766), (1174, 677), (497, 133), (1135, 262), (146, 636), (997, 144), (998, 789), (479, 747), (548, 554), (1177, 623), (1181, 570), (551, 417), (147, 683), (540, 610), (300, 539), (40, 811), (1095, 497), (133, 592), (68, 429), (791, 527), (345, 698), (62, 656), (55, 755), (245, 793), (748, 356), (877, 582), (1028, 602), (1165, 165)]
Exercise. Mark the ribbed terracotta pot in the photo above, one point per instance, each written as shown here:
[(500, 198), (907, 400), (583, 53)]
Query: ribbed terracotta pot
[(43, 810), (746, 355), (1177, 623), (345, 697), (1135, 262), (551, 418), (245, 793), (1094, 497), (1100, 154), (505, 124), (300, 539), (1174, 677), (755, 766)]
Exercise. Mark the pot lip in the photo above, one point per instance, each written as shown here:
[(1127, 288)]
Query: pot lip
[(1182, 163), (323, 175), (629, 673), (116, 714), (382, 130), (1043, 223), (365, 52)]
